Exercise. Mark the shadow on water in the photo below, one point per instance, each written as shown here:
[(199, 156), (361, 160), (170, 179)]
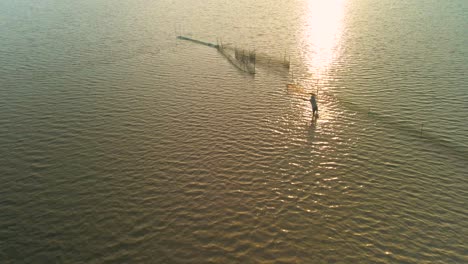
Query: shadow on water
[(411, 129), (310, 127)]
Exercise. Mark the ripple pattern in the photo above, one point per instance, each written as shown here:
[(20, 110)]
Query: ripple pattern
[(121, 144)]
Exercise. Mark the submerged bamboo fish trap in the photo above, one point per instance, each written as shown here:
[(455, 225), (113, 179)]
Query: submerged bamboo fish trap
[(244, 60)]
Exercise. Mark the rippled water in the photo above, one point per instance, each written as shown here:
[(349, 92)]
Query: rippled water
[(120, 143)]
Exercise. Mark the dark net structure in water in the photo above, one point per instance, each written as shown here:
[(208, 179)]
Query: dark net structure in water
[(244, 60)]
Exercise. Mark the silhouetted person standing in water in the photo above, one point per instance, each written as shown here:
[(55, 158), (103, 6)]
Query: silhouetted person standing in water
[(313, 102)]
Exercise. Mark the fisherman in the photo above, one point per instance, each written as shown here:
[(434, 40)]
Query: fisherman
[(313, 102)]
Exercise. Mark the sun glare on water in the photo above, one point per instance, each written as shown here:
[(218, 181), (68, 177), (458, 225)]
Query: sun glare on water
[(322, 32)]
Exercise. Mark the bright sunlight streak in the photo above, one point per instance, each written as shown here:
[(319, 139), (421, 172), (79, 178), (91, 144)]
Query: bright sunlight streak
[(322, 33)]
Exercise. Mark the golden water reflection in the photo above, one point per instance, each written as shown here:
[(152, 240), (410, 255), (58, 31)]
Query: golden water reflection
[(322, 32)]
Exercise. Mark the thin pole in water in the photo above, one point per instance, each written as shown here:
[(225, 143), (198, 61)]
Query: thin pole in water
[(255, 60)]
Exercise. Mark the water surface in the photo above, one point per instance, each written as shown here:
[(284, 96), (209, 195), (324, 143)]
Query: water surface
[(121, 143)]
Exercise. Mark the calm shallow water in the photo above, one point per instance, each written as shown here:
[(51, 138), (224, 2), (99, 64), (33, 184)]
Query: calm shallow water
[(121, 143)]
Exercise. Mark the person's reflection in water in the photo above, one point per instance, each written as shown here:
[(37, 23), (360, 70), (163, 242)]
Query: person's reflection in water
[(311, 129)]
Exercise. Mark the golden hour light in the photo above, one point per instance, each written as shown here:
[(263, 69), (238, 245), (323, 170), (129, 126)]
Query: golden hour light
[(322, 32), (186, 131)]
